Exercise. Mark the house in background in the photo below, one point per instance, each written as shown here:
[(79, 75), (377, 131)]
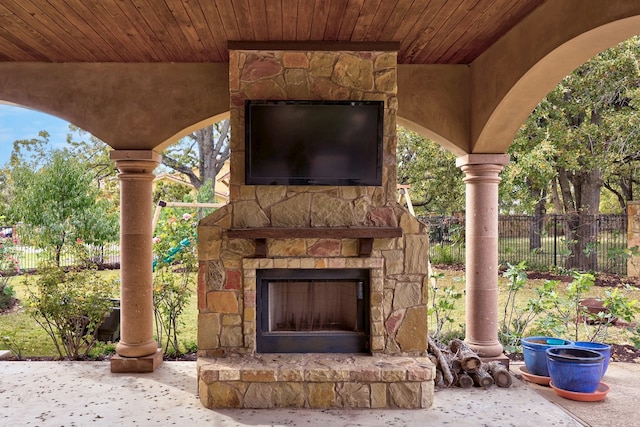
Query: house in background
[(176, 178)]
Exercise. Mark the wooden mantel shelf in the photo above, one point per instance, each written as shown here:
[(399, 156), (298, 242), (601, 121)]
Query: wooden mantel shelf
[(311, 232), (365, 235)]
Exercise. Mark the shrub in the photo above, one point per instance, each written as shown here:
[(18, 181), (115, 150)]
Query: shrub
[(515, 320), (9, 266), (565, 316), (69, 304), (443, 303)]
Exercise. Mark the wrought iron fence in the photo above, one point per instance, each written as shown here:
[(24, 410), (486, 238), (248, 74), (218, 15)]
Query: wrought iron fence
[(29, 257), (543, 241), (106, 256)]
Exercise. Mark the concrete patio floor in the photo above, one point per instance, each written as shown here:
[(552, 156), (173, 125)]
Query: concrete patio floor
[(87, 394)]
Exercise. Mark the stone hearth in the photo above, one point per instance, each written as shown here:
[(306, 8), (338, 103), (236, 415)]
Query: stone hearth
[(316, 381), (313, 227)]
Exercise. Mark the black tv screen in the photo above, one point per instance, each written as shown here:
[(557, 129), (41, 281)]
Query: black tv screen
[(313, 142)]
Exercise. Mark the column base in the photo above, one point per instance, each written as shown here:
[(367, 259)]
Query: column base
[(145, 364), (485, 350)]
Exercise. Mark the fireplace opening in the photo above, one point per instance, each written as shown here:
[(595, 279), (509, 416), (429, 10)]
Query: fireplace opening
[(312, 311)]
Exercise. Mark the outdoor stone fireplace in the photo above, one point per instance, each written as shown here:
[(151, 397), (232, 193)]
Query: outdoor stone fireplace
[(312, 310), (313, 296)]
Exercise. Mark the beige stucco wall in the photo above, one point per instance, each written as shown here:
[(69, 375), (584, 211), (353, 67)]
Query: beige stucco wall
[(129, 106)]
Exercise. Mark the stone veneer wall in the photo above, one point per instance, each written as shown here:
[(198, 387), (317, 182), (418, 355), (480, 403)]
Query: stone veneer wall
[(226, 283)]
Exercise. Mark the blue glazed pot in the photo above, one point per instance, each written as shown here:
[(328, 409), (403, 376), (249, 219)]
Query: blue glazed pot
[(534, 352), (604, 349), (575, 369)]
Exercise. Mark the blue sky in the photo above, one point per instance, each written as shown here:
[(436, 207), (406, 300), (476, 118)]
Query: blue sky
[(22, 123)]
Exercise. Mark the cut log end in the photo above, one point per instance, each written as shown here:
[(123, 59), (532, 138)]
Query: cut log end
[(464, 380), (458, 365), (481, 378), (500, 374)]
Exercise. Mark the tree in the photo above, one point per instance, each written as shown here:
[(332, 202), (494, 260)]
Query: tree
[(429, 169), (201, 155), (586, 130), (94, 153), (58, 204), (33, 154), (525, 181)]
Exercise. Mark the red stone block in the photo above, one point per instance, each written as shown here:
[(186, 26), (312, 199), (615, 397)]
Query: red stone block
[(234, 280)]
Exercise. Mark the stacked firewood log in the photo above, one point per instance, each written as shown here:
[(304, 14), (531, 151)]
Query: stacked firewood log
[(459, 366)]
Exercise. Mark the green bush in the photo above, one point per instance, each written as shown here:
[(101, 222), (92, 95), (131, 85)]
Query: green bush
[(561, 313), (8, 267), (69, 304)]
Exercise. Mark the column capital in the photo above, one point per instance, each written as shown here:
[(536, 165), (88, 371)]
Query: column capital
[(135, 155), (482, 159), (135, 162)]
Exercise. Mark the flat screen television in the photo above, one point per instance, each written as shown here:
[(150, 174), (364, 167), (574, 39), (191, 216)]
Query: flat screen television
[(313, 142)]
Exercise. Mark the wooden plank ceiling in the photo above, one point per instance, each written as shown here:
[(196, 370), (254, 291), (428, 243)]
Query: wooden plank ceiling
[(427, 31)]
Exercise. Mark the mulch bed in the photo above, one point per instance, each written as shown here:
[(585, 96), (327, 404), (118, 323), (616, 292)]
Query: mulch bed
[(619, 352)]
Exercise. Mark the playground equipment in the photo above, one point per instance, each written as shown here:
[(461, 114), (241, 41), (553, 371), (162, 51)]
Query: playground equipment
[(404, 195), (185, 242)]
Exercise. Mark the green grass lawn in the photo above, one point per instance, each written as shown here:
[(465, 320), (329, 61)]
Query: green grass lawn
[(33, 341)]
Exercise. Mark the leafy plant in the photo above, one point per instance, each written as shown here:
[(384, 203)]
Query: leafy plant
[(565, 315), (9, 266), (443, 302), (635, 336), (13, 344), (69, 304), (516, 320), (443, 255), (101, 349), (174, 275), (624, 255)]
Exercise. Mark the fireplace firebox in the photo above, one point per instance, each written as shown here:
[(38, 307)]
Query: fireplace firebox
[(312, 311)]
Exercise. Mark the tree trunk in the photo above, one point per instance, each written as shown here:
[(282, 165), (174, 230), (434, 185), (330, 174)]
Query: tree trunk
[(213, 145), (555, 197), (213, 152), (584, 226), (568, 203), (535, 230)]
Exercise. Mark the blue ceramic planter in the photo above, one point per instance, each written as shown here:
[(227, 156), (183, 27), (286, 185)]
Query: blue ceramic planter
[(575, 369), (534, 352), (604, 349)]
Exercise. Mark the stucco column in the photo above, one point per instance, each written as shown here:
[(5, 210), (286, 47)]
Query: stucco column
[(136, 257), (481, 238), (633, 237)]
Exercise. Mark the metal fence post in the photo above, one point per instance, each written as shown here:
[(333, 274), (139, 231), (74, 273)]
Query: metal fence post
[(555, 240)]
